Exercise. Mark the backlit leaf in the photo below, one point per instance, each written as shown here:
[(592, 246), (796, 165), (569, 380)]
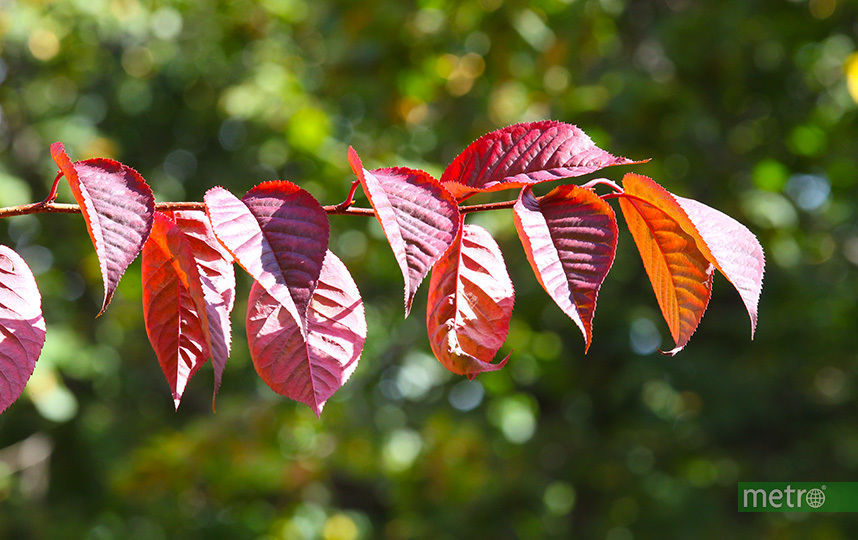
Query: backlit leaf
[(22, 327), (733, 249), (309, 370), (118, 209), (419, 217), (217, 278), (470, 303), (680, 274), (174, 308), (525, 154), (570, 238), (279, 234)]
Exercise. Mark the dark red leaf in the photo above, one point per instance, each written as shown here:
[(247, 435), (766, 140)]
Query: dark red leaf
[(525, 154), (279, 234), (308, 370), (217, 278), (418, 216), (22, 327), (470, 303), (680, 274), (570, 238), (732, 248), (118, 209), (174, 307)]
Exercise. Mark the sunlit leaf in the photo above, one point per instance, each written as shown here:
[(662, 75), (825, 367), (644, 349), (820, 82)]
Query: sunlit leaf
[(525, 154), (570, 237), (174, 309), (311, 369), (419, 217), (470, 304), (680, 274), (732, 248), (118, 209), (22, 327), (217, 278), (279, 234)]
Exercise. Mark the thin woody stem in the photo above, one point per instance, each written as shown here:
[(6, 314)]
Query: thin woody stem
[(334, 209), (61, 208), (344, 208), (53, 194), (350, 197), (603, 182)]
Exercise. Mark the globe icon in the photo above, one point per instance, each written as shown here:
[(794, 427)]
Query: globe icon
[(815, 498)]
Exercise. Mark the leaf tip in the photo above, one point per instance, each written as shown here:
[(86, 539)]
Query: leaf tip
[(672, 352), (487, 366), (108, 296), (58, 148), (355, 162), (316, 407)]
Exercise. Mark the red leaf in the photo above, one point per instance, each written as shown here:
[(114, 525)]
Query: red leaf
[(680, 274), (570, 238), (118, 209), (418, 216), (217, 278), (308, 370), (22, 327), (279, 234), (525, 154), (174, 308), (470, 303), (732, 248)]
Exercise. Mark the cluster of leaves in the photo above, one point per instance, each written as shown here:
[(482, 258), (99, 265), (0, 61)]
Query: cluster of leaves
[(305, 321)]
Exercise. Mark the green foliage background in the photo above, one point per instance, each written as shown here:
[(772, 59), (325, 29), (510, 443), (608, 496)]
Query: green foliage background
[(748, 106)]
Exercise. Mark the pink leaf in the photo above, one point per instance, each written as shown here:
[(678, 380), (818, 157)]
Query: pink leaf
[(174, 309), (470, 304), (217, 278), (732, 248), (22, 327), (418, 216), (279, 234), (525, 154), (570, 238), (308, 370), (118, 209)]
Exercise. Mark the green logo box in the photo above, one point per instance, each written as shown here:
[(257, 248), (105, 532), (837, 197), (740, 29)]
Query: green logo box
[(798, 496)]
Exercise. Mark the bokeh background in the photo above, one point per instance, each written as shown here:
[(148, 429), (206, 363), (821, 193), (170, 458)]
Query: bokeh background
[(748, 106)]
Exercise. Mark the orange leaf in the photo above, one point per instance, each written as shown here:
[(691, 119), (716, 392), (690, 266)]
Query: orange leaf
[(681, 275)]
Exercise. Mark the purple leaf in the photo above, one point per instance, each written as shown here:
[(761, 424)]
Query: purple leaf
[(22, 327), (525, 154), (733, 249), (308, 370), (570, 238), (217, 278), (470, 304), (118, 208), (279, 234), (418, 216)]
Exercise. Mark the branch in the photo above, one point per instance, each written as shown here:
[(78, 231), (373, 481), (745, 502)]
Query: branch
[(334, 209)]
